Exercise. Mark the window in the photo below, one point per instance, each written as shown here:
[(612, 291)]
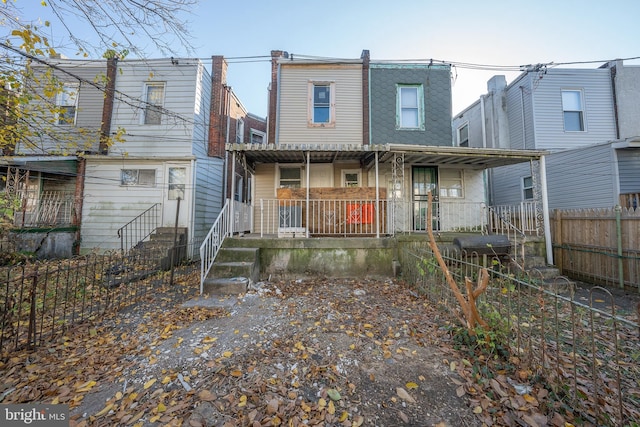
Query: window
[(138, 177), (451, 183), (321, 104), (573, 110), (463, 135), (154, 99), (240, 131), (410, 114), (290, 178), (527, 188), (67, 103), (351, 178), (177, 181), (257, 137)]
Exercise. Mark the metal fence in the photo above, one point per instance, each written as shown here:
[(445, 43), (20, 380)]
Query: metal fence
[(40, 301), (587, 353)]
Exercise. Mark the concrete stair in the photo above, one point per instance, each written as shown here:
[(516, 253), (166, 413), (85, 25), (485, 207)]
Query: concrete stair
[(233, 271), (160, 246)]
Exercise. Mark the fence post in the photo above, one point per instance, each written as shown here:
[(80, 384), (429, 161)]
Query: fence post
[(618, 210), (558, 239), (175, 239), (31, 333)]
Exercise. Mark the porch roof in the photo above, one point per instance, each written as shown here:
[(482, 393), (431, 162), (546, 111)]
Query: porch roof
[(477, 158)]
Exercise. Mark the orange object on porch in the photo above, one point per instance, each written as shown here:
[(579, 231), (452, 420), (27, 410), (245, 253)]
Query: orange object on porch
[(359, 213)]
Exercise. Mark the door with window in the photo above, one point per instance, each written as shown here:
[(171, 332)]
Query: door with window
[(424, 179), (176, 185)]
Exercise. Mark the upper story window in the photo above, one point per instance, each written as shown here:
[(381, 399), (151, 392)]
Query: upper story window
[(257, 137), (138, 177), (67, 104), (153, 103), (240, 131), (527, 188), (463, 135), (290, 178), (321, 104), (573, 110), (410, 112)]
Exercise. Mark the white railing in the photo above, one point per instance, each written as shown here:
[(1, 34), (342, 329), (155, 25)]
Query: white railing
[(522, 218), (212, 243), (361, 217), (242, 217), (46, 208)]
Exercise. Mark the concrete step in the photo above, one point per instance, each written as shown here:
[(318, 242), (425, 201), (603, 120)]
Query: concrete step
[(225, 286), (237, 254), (234, 269)]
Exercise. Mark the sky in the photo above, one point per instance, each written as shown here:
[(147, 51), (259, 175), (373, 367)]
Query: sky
[(492, 34)]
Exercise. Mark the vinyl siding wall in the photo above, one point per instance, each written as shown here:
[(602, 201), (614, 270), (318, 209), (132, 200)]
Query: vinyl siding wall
[(173, 137), (294, 104), (584, 178), (599, 120), (629, 170)]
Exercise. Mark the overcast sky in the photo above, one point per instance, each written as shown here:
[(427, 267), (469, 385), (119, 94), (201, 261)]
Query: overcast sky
[(483, 32)]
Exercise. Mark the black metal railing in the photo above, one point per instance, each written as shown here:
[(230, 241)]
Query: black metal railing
[(139, 228)]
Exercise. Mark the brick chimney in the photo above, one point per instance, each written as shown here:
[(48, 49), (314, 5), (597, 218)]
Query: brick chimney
[(219, 106), (273, 97)]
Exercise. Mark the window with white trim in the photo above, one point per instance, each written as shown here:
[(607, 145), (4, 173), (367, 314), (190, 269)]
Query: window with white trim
[(351, 178), (138, 177), (67, 104), (451, 183), (153, 103), (409, 104), (177, 183), (258, 137), (321, 111), (573, 110), (290, 177), (239, 131), (463, 135), (527, 188)]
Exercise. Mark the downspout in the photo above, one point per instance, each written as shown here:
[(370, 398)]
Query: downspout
[(233, 192), (545, 210), (377, 198), (618, 210), (308, 191), (107, 105), (277, 135), (78, 201), (192, 214), (483, 129)]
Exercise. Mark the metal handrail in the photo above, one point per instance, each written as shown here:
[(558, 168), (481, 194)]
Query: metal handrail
[(221, 228), (139, 228), (513, 232)]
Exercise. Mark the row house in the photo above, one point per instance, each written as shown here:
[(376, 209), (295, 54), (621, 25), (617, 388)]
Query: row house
[(355, 146), (585, 118), (135, 149)]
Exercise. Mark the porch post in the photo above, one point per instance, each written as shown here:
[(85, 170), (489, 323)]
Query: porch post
[(307, 198), (545, 210), (233, 194), (377, 198)]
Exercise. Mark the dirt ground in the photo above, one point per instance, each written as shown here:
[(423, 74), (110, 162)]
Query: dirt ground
[(302, 352)]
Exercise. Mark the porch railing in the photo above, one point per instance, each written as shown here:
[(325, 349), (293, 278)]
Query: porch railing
[(222, 228), (521, 218), (44, 209), (630, 200), (139, 228)]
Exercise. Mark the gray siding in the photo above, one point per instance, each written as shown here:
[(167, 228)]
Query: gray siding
[(627, 83), (436, 83), (208, 196), (599, 117), (520, 114), (582, 178), (506, 183), (629, 170)]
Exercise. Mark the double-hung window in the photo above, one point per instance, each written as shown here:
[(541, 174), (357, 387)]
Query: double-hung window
[(351, 178), (153, 103), (257, 137), (410, 111), (451, 183), (290, 177), (240, 131), (321, 104), (463, 135), (573, 110), (67, 104), (527, 188)]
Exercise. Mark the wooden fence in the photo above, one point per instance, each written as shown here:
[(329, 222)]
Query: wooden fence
[(600, 246)]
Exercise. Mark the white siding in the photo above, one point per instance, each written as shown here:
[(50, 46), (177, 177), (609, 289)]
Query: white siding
[(627, 94), (173, 137), (293, 111), (629, 170), (582, 178), (599, 117)]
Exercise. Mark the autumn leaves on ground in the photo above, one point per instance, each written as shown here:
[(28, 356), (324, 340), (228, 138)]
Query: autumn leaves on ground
[(302, 352)]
